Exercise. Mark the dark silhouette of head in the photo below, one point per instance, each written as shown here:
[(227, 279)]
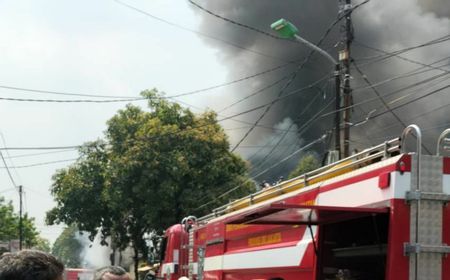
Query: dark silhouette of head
[(111, 273), (30, 265)]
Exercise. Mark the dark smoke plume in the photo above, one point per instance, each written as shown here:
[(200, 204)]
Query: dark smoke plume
[(384, 24)]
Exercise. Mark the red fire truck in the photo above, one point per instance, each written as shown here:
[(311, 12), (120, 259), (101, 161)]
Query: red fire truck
[(382, 213), (78, 274)]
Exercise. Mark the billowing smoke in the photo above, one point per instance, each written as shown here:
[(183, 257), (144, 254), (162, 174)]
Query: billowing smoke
[(95, 256), (381, 24)]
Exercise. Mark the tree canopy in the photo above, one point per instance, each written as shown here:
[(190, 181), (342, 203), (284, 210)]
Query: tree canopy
[(67, 247), (306, 164), (9, 225), (151, 169)]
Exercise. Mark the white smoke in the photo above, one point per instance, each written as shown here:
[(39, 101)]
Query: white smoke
[(93, 254), (275, 148)]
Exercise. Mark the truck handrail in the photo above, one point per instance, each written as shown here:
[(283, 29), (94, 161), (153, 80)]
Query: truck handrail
[(442, 140), (379, 151), (407, 131)]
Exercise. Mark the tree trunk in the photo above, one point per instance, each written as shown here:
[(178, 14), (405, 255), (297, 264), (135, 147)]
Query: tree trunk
[(113, 256), (136, 262)]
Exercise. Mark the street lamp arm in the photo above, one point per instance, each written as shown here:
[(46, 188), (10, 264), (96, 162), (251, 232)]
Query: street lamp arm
[(316, 48)]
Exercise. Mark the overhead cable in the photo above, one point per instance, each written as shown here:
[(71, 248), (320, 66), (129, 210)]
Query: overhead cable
[(280, 96), (262, 32), (39, 154), (332, 25), (402, 57), (283, 136), (422, 82), (8, 190), (320, 139), (40, 163), (70, 101), (41, 148), (396, 53), (64, 93), (195, 31), (413, 100), (7, 171)]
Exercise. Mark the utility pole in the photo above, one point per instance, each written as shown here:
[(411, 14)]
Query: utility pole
[(344, 57), (20, 218), (337, 116)]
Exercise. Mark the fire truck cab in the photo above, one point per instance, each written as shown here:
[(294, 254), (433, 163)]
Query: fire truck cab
[(382, 213)]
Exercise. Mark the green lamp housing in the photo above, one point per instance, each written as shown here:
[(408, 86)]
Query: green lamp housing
[(284, 28)]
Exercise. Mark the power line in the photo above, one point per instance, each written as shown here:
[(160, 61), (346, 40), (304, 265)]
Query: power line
[(254, 29), (7, 170), (397, 53), (63, 92), (38, 154), (364, 77), (41, 163), (195, 31), (267, 34), (413, 118), (8, 190), (412, 101), (402, 57), (41, 148), (203, 125), (390, 93), (237, 114), (445, 125), (385, 104), (401, 76), (311, 86), (269, 105), (71, 101), (283, 136), (305, 126), (124, 98), (9, 157), (288, 83), (263, 172), (255, 93)]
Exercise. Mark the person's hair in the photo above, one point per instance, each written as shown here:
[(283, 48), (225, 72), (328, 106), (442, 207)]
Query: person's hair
[(115, 270), (30, 265)]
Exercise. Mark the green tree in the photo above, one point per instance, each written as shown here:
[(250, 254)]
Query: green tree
[(306, 164), (42, 244), (9, 225), (153, 168), (67, 248), (8, 221), (79, 192)]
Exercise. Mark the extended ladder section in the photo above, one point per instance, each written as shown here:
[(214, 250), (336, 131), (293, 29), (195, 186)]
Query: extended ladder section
[(337, 168), (191, 253), (426, 199)]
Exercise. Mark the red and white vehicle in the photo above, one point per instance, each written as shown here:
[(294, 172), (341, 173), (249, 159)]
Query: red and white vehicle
[(380, 214), (78, 274)]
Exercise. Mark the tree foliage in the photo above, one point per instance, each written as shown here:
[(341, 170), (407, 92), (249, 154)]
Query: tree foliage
[(306, 164), (151, 169), (42, 244), (67, 247), (9, 225)]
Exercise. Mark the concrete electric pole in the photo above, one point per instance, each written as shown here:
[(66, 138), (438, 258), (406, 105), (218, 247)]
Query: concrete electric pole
[(20, 218)]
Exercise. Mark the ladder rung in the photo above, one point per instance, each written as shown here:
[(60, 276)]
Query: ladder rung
[(416, 248), (418, 195)]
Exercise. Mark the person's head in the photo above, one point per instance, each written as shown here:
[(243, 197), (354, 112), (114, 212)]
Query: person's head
[(30, 265), (111, 273)]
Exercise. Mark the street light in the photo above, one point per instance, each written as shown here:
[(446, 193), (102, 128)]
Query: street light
[(289, 31)]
